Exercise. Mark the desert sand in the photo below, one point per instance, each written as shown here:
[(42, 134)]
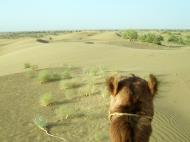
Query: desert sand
[(19, 95)]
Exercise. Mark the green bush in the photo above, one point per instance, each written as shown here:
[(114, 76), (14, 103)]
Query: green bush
[(187, 40), (41, 122), (96, 71), (188, 36), (166, 32), (45, 76), (31, 70), (46, 99), (27, 65), (131, 35), (34, 67), (42, 40), (152, 38), (88, 90), (66, 74), (178, 33), (65, 112), (70, 84), (176, 39)]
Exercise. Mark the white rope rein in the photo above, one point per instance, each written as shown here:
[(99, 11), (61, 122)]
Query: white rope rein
[(127, 114), (51, 135)]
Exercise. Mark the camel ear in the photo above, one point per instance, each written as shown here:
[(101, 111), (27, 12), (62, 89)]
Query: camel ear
[(152, 84), (112, 84)]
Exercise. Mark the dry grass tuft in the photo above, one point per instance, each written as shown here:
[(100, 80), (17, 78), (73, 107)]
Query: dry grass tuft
[(46, 76), (46, 99), (71, 84)]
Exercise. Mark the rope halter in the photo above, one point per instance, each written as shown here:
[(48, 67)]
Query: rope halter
[(128, 114)]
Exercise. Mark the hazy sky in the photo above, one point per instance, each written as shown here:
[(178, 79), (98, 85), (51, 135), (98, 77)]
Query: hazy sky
[(30, 15)]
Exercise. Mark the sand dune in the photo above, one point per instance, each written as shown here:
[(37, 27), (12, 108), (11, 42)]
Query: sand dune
[(9, 46), (105, 36), (75, 36)]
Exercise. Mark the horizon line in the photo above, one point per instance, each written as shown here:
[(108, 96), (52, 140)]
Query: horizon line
[(103, 29)]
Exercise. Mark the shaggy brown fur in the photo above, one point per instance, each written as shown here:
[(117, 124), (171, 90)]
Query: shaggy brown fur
[(131, 95)]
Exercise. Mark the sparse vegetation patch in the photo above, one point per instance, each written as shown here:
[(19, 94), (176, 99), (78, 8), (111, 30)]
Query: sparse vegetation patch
[(42, 41), (47, 76), (152, 38), (88, 90), (46, 99), (42, 123), (71, 84), (27, 65), (175, 39), (65, 112), (131, 35), (66, 74)]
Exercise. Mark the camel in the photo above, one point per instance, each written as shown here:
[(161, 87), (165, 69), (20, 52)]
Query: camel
[(131, 107)]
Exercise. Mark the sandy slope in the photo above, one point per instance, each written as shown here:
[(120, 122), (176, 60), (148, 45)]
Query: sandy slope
[(171, 122), (12, 45)]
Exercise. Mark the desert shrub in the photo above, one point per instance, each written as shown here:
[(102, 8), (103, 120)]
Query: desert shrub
[(131, 35), (118, 34), (45, 76), (46, 99), (42, 41), (152, 38), (34, 67), (166, 32), (66, 74), (31, 70), (55, 77), (96, 71), (188, 36), (93, 72), (177, 33), (27, 65), (88, 90), (50, 38), (41, 122), (187, 40), (89, 42), (31, 73), (181, 41), (70, 84), (69, 67), (175, 39), (65, 112)]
